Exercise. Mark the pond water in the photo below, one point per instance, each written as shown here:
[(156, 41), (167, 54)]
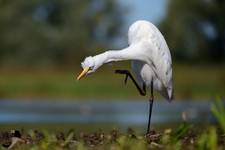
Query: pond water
[(119, 113)]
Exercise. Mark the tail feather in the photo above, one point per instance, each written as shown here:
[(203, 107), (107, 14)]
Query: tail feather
[(167, 93), (170, 94)]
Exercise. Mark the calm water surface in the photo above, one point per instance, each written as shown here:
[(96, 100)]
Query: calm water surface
[(119, 113)]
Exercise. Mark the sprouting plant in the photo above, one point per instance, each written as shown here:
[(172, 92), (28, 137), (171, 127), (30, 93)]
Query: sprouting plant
[(68, 138), (181, 131), (218, 110), (208, 140)]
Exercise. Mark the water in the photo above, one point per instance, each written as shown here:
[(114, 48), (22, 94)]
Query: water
[(120, 113)]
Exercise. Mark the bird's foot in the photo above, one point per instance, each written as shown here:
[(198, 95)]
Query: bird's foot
[(153, 136), (126, 72)]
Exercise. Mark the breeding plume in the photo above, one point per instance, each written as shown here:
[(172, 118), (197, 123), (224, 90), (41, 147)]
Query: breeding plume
[(150, 61)]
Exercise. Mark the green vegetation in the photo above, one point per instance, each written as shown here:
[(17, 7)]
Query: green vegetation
[(194, 30), (191, 82), (56, 32), (219, 112), (184, 137)]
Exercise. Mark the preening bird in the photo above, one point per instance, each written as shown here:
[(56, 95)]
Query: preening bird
[(150, 61)]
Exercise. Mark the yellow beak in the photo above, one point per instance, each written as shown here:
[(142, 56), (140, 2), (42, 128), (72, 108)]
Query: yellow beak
[(83, 73)]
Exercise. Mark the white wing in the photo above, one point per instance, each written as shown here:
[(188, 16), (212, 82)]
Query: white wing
[(161, 59)]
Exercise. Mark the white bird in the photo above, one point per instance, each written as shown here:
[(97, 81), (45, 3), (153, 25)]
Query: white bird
[(150, 60)]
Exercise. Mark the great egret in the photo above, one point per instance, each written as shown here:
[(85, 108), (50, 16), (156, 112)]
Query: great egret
[(150, 60)]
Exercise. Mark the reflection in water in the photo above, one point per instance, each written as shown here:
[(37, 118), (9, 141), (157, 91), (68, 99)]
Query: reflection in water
[(116, 112)]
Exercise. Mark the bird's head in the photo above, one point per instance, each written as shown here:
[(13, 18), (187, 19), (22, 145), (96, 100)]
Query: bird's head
[(88, 66)]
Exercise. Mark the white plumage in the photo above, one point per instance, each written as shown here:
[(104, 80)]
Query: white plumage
[(159, 67), (149, 54)]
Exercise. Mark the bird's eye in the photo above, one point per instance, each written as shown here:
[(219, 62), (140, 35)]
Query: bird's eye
[(91, 68)]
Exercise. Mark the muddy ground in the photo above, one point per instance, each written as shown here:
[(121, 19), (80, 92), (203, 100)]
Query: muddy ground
[(19, 139)]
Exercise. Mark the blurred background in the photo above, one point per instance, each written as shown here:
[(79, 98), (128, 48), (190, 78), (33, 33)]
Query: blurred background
[(42, 43)]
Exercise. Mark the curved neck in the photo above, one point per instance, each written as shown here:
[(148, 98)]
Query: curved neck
[(130, 53)]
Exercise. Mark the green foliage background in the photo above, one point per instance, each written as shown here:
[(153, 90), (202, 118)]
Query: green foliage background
[(55, 32), (195, 29)]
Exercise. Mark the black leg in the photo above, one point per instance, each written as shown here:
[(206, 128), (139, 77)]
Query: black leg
[(150, 108), (142, 90)]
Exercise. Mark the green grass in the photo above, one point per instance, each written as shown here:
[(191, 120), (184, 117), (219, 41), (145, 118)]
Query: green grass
[(184, 136), (190, 82)]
